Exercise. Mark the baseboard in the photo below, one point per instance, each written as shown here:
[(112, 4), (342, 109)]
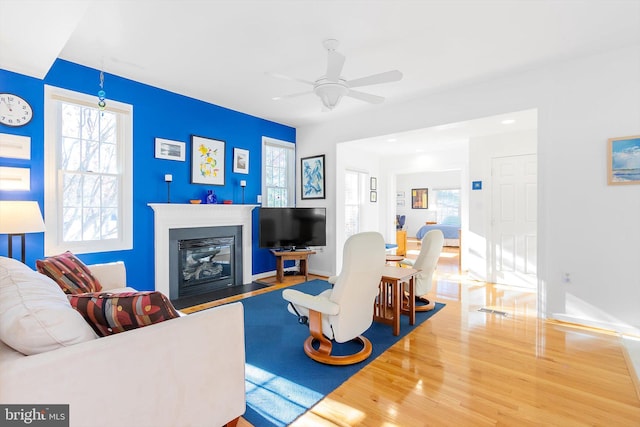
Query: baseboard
[(631, 350), (605, 326)]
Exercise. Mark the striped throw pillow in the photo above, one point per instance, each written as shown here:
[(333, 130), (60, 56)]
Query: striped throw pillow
[(111, 313), (71, 274)]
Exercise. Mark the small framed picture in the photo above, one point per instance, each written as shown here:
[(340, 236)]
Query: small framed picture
[(15, 179), (15, 146), (312, 176), (373, 197), (373, 182), (207, 161), (170, 150), (420, 198), (240, 160), (624, 160)]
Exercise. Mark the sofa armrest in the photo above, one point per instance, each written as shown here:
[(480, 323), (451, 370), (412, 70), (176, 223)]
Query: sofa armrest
[(112, 275), (184, 371)]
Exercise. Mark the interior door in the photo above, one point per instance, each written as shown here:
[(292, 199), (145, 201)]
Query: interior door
[(514, 220)]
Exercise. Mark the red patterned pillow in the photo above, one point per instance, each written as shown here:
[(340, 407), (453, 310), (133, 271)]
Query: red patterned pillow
[(71, 274), (111, 313)]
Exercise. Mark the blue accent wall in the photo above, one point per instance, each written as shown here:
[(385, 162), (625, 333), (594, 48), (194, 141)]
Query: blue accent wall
[(157, 113)]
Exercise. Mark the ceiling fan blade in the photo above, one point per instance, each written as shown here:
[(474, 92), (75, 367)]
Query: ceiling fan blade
[(334, 65), (295, 79), (292, 95), (366, 97), (386, 77)]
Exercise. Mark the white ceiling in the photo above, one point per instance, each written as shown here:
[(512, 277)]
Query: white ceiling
[(221, 51)]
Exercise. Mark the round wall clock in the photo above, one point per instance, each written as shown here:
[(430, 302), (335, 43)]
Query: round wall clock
[(14, 110)]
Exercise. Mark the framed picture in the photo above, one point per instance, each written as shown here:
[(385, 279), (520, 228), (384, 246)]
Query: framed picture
[(240, 160), (170, 150), (15, 146), (207, 161), (15, 179), (420, 198), (624, 160), (373, 182), (312, 175), (373, 197)]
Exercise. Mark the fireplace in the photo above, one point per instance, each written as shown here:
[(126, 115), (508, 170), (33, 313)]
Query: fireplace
[(173, 218), (204, 259)]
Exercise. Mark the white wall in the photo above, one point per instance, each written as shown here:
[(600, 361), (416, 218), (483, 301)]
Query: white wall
[(586, 228)]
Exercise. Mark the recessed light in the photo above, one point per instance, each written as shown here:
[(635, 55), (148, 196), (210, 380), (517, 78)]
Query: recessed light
[(508, 121)]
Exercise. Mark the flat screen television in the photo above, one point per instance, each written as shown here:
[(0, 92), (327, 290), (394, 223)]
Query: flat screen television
[(292, 228)]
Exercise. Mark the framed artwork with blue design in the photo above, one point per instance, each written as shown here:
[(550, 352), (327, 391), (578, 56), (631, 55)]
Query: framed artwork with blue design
[(624, 160), (312, 175)]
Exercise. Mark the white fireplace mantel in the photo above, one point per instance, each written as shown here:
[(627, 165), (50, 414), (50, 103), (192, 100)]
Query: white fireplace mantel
[(168, 216)]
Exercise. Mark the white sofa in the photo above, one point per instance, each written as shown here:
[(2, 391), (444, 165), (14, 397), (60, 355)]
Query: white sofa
[(187, 371)]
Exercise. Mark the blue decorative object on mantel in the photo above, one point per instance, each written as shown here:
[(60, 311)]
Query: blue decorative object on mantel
[(211, 198)]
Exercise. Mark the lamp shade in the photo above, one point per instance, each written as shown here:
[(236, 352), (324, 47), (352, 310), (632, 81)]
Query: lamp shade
[(17, 217)]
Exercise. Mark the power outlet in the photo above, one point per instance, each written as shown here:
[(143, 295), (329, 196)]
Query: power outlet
[(259, 198)]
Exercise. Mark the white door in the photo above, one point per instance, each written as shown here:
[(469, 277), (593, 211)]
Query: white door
[(514, 221)]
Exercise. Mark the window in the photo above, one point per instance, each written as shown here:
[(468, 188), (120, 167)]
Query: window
[(88, 174), (353, 196), (447, 203), (278, 173)]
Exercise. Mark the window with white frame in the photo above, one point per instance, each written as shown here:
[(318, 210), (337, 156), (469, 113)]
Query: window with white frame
[(446, 202), (353, 198), (278, 173), (88, 174)]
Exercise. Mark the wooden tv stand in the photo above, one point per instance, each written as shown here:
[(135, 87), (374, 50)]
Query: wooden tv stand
[(282, 256)]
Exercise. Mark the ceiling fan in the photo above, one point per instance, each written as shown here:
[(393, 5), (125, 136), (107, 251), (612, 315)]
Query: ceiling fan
[(331, 87)]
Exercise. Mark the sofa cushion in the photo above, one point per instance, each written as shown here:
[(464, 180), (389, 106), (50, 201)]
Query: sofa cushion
[(110, 313), (35, 315), (71, 274)]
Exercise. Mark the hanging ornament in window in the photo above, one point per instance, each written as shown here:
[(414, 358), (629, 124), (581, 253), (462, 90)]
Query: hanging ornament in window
[(101, 93)]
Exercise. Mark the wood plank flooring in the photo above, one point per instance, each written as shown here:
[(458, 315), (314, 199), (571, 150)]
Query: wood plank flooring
[(464, 367)]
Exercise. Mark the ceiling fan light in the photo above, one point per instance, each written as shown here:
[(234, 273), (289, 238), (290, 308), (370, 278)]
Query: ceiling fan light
[(330, 94)]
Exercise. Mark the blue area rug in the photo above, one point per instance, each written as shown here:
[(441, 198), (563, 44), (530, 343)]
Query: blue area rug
[(281, 381)]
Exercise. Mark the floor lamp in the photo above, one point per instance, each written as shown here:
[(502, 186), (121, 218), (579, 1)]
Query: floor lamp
[(18, 218)]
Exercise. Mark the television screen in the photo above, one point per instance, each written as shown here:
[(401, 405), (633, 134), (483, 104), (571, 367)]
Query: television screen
[(292, 227)]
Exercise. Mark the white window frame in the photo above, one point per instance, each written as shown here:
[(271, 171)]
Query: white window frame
[(362, 178), (53, 243), (291, 169)]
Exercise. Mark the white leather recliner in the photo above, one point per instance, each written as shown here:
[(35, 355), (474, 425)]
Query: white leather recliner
[(426, 264), (344, 312)]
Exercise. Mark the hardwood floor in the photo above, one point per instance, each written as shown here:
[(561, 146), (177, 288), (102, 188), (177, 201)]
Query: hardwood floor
[(465, 367)]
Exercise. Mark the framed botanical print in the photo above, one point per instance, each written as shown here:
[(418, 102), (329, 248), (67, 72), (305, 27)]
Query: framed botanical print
[(207, 161)]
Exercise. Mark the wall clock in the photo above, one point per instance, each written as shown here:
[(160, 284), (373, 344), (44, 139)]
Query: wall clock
[(14, 110)]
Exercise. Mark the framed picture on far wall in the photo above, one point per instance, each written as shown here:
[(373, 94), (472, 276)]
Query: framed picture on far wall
[(420, 198), (624, 160), (312, 176), (207, 161), (170, 150), (240, 160)]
